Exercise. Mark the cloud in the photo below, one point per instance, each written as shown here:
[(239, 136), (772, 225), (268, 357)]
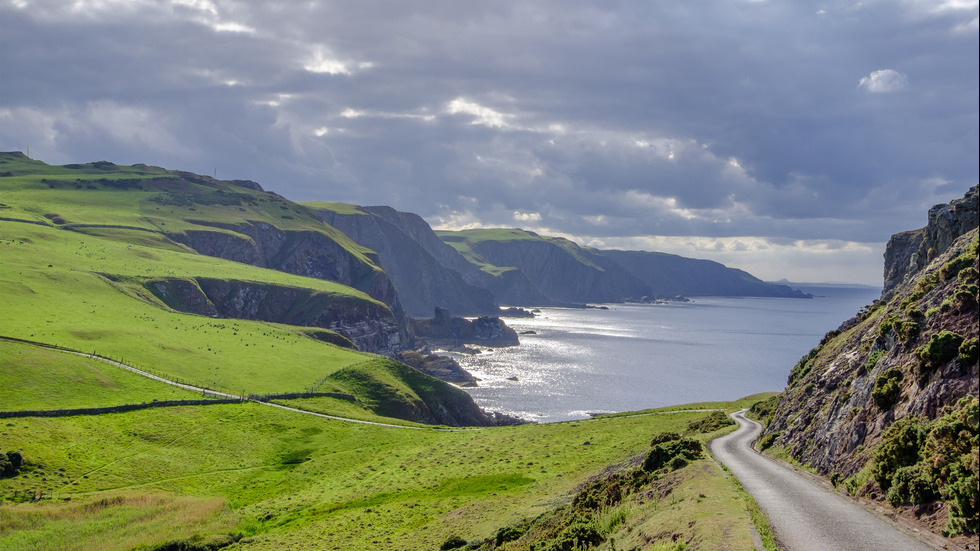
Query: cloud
[(719, 120), (884, 81)]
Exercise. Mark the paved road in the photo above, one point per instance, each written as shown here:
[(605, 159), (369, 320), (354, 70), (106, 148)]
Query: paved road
[(804, 516)]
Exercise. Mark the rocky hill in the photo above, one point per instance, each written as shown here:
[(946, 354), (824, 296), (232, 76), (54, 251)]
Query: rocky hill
[(404, 244), (887, 403), (669, 275)]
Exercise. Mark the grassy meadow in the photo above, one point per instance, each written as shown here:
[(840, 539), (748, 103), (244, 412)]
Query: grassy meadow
[(286, 480)]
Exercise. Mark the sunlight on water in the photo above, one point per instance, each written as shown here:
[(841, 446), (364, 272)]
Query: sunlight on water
[(575, 362)]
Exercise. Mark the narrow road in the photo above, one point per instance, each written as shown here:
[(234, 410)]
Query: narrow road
[(803, 515)]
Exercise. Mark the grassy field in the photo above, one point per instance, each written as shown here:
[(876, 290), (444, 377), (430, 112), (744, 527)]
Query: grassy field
[(284, 479)]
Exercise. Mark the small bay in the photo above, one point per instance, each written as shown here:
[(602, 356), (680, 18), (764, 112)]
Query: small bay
[(579, 362)]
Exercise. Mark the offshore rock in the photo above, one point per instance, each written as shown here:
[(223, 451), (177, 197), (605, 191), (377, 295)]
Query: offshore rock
[(445, 329)]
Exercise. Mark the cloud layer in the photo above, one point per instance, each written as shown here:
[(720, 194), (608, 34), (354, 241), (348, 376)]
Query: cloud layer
[(615, 123)]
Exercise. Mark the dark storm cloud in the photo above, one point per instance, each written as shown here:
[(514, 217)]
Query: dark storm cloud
[(612, 122)]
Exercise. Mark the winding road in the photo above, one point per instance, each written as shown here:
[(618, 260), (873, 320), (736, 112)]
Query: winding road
[(805, 516)]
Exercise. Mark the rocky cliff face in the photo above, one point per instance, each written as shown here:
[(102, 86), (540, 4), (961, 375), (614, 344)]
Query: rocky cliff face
[(306, 253), (402, 242), (909, 252), (837, 403), (908, 356), (370, 326)]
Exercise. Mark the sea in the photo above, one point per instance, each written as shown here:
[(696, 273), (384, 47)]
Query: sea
[(573, 363)]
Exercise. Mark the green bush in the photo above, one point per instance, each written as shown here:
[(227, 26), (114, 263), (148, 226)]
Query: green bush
[(802, 367), (765, 409), (678, 462), (507, 533), (899, 448), (951, 453), (664, 437), (662, 453), (873, 358), (912, 484), (710, 423), (768, 440), (887, 389), (968, 352), (941, 349), (454, 542)]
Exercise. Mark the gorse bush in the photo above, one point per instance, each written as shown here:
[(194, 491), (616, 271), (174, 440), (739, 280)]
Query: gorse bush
[(920, 461), (887, 389), (710, 423), (662, 453), (941, 349), (899, 448)]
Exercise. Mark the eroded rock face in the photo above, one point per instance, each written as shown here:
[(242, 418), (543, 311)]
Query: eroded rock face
[(421, 280), (828, 416), (908, 252), (369, 325), (305, 253)]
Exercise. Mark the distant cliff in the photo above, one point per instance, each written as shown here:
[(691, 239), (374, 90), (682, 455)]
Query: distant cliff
[(669, 275), (530, 269), (404, 243), (524, 268), (896, 373)]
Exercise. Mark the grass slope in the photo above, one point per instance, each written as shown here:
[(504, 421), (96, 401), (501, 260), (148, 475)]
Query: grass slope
[(286, 480)]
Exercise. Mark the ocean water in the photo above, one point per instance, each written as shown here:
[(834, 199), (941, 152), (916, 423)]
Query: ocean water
[(636, 356)]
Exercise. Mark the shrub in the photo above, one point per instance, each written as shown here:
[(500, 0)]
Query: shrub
[(662, 453), (765, 410), (968, 352), (768, 440), (710, 423), (16, 459), (942, 348), (899, 448), (454, 542), (887, 389), (952, 457), (507, 533), (678, 462), (664, 437), (802, 367), (912, 484), (872, 360)]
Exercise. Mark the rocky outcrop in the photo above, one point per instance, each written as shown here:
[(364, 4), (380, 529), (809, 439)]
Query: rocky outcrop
[(307, 253), (422, 282), (369, 325), (672, 275), (910, 354), (910, 251), (444, 329), (393, 389), (443, 368)]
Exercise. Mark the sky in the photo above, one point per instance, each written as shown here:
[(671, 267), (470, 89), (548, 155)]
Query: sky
[(787, 138)]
